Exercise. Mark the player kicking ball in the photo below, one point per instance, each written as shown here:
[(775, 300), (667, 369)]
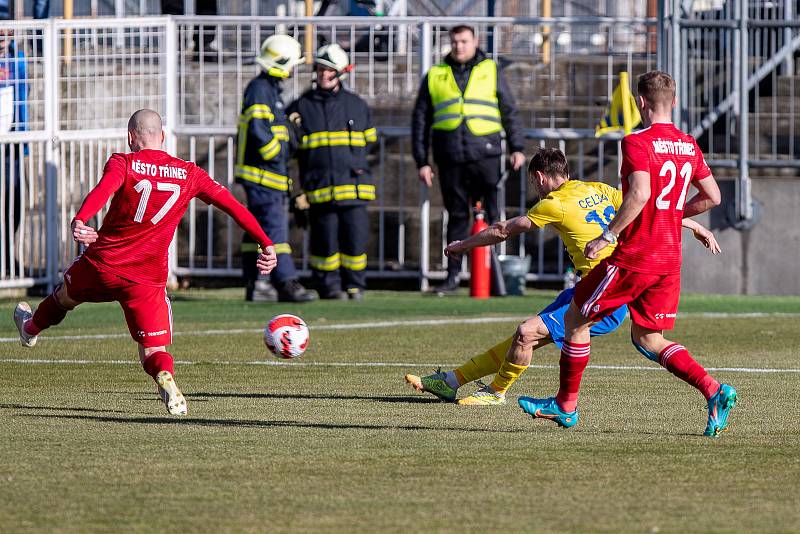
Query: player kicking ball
[(126, 260), (578, 211), (644, 271)]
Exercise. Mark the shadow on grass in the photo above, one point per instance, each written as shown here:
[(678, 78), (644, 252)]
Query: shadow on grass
[(409, 399), (57, 408), (249, 423)]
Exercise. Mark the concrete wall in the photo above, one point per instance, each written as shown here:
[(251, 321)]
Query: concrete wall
[(764, 260)]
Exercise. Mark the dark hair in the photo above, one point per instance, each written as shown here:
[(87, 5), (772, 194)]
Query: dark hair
[(461, 28), (657, 87), (550, 162)]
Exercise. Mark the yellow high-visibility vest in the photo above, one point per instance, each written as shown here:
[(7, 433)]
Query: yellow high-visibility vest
[(478, 105)]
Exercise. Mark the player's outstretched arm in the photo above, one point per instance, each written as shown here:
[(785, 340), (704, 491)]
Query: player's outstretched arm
[(497, 232), (632, 203), (111, 181), (702, 234), (221, 198), (707, 197)]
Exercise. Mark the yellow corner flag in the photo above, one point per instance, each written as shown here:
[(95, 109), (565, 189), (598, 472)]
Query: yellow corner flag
[(622, 114)]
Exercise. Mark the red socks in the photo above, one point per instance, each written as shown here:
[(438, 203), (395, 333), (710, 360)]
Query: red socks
[(49, 313), (677, 360), (574, 358), (157, 362)]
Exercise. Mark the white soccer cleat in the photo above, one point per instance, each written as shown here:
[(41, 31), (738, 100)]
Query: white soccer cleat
[(22, 313), (170, 394)]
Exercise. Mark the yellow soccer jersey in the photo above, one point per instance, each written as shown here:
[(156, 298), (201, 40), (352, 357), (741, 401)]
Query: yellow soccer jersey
[(579, 212)]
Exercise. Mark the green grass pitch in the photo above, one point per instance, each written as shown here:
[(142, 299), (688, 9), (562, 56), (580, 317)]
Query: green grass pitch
[(337, 442)]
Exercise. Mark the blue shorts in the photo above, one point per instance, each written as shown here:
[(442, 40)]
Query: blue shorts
[(553, 317)]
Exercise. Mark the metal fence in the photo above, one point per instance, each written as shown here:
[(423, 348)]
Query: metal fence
[(735, 66), (85, 77)]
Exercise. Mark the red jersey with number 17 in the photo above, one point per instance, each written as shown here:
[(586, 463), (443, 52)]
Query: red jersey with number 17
[(151, 193), (652, 242)]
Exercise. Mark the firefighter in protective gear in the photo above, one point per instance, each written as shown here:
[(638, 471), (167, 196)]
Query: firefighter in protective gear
[(334, 131), (467, 104), (262, 156)]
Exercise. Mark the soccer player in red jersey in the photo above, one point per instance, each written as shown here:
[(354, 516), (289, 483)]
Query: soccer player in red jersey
[(659, 163), (126, 260)]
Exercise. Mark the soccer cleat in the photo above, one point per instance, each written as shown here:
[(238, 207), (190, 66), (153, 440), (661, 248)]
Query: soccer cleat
[(22, 314), (719, 408), (170, 394), (548, 409), (485, 396), (434, 384)]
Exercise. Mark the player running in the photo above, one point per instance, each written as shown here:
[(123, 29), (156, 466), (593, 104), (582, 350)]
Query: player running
[(658, 165), (577, 210), (126, 260)]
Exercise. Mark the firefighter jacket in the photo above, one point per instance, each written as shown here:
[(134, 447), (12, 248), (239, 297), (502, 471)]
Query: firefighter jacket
[(334, 131), (262, 150), (467, 107)]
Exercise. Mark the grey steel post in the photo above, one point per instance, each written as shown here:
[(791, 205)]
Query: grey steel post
[(661, 38), (426, 53), (171, 118), (788, 15), (501, 186), (51, 153), (674, 67), (743, 208)]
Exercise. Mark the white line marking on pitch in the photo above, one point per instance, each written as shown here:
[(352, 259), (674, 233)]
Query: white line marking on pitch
[(380, 324), (278, 363)]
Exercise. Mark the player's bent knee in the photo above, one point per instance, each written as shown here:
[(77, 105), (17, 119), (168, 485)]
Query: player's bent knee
[(63, 299), (531, 331), (650, 355)]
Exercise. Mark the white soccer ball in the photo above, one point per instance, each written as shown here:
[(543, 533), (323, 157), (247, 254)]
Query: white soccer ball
[(286, 336)]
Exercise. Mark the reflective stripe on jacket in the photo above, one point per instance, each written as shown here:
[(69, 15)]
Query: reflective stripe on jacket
[(334, 131), (263, 138)]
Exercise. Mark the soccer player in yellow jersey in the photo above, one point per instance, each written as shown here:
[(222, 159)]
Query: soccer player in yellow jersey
[(577, 210)]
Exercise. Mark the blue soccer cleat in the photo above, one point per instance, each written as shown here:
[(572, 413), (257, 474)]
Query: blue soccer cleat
[(548, 409), (719, 408)]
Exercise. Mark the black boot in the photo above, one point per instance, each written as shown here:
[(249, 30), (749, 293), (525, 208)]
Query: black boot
[(355, 293), (260, 291), (450, 285), (332, 295), (293, 291)]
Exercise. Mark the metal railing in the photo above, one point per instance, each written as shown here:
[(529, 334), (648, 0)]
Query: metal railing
[(734, 63), (85, 78)]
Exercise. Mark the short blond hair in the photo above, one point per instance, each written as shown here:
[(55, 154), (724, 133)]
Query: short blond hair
[(657, 88)]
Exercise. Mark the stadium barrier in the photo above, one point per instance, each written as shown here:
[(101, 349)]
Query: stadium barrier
[(85, 76)]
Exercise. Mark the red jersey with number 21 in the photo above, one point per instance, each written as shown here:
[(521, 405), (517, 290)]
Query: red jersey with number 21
[(652, 242), (151, 193)]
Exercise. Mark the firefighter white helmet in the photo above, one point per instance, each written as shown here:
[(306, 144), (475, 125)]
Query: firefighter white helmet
[(333, 57), (279, 55)]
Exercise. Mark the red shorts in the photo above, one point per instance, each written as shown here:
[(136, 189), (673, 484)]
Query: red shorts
[(651, 298), (147, 309)]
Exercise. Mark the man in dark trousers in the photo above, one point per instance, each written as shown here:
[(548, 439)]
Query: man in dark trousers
[(262, 157), (334, 131), (467, 103)]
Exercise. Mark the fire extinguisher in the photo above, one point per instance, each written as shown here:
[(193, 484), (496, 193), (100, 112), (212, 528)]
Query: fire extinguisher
[(480, 280)]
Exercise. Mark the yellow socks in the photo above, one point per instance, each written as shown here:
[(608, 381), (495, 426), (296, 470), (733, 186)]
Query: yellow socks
[(484, 364), (507, 375)]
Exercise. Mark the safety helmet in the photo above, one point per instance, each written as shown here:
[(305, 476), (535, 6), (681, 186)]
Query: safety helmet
[(279, 55), (333, 57)]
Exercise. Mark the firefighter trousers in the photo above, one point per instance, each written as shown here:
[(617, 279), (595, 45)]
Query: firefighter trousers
[(338, 243), (271, 211)]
